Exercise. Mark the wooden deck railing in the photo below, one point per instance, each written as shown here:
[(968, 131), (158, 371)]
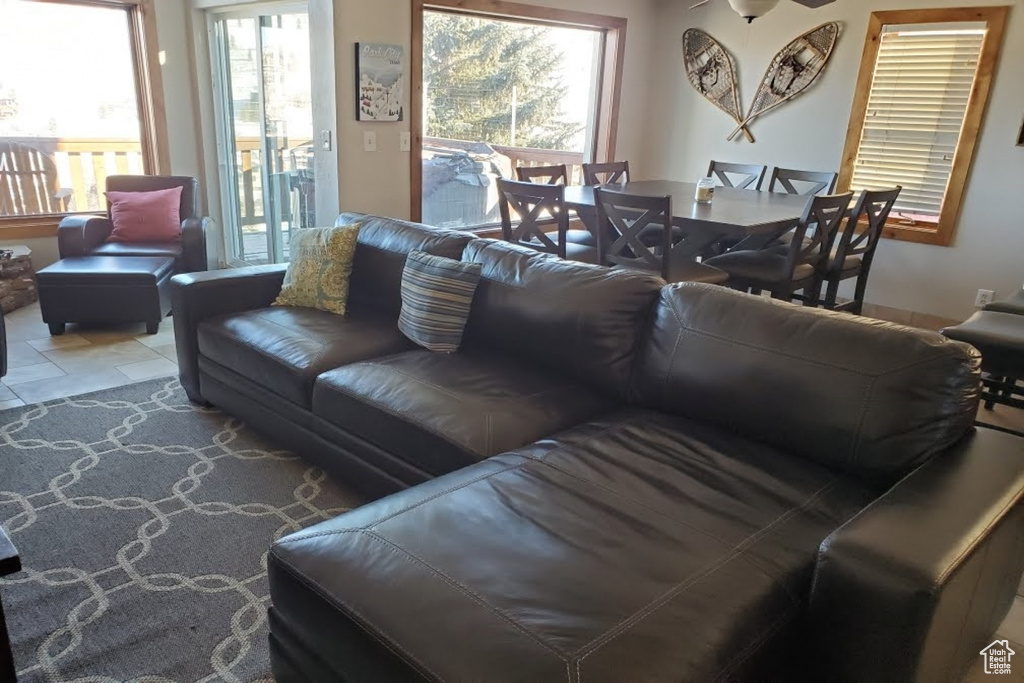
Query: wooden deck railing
[(82, 167), (521, 156)]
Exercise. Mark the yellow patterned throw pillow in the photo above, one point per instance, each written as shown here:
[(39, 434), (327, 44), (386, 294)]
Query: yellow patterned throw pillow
[(321, 264)]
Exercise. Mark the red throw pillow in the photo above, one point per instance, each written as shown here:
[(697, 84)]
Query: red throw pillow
[(145, 216)]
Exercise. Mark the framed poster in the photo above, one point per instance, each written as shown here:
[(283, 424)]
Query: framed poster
[(380, 82)]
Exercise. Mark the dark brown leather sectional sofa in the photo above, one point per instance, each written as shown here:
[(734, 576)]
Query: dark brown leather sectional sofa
[(615, 480)]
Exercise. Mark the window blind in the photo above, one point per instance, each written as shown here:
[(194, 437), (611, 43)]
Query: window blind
[(919, 96)]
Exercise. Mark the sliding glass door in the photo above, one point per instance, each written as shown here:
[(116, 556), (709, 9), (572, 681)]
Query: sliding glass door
[(265, 131)]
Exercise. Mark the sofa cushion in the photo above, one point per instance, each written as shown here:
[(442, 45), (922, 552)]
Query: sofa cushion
[(638, 547), (284, 349), (381, 252), (577, 320), (869, 397), (153, 216), (320, 268), (437, 294), (442, 412)]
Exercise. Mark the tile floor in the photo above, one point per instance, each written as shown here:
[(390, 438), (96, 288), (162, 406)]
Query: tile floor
[(83, 359), (42, 368)]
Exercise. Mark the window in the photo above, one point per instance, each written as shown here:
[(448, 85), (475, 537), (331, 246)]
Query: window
[(920, 101), (69, 117), (506, 85)]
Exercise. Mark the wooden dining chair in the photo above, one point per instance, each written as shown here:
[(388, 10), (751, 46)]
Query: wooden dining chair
[(856, 245), (615, 172), (793, 181), (803, 183), (628, 222), (535, 208), (803, 263), (740, 176), (550, 175), (556, 175)]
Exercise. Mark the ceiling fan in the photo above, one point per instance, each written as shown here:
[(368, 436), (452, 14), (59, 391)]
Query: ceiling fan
[(752, 9)]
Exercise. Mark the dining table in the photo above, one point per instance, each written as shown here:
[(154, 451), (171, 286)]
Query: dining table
[(733, 213)]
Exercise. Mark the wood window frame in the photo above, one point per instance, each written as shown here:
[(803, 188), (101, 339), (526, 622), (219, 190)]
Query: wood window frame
[(995, 19), (149, 91), (610, 71)]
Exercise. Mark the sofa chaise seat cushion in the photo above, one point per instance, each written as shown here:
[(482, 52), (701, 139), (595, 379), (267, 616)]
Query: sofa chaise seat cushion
[(442, 412), (284, 349), (638, 542)]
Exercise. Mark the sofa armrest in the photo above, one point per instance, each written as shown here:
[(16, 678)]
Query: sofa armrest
[(916, 584), (193, 244), (78, 235), (196, 297)]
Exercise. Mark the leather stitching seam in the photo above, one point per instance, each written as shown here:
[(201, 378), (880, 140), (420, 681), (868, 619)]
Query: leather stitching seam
[(746, 653), (471, 594), (402, 416), (413, 378), (381, 520), (671, 594), (978, 538), (448, 392), (633, 501), (869, 391), (252, 345), (671, 365), (819, 363), (680, 522)]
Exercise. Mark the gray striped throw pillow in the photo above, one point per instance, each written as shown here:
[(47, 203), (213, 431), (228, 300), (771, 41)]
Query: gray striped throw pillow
[(437, 294)]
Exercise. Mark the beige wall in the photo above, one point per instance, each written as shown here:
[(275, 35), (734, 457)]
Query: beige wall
[(685, 132)]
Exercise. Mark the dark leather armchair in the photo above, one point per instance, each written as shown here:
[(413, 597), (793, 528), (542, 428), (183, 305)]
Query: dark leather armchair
[(87, 235)]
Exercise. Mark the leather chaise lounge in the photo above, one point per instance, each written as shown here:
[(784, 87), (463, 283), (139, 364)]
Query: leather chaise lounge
[(615, 479)]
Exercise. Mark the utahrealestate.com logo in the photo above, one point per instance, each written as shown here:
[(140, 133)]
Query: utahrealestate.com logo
[(997, 657)]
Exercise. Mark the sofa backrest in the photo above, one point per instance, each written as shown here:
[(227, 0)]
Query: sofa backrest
[(384, 244), (864, 396), (578, 320)]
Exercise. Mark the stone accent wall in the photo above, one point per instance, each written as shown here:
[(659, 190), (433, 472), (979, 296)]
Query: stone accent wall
[(17, 280)]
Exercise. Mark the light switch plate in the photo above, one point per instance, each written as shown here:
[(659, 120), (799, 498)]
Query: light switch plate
[(369, 141), (325, 140), (405, 142)]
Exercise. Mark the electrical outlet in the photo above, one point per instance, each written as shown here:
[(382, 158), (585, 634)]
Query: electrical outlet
[(369, 141), (405, 142), (985, 297)]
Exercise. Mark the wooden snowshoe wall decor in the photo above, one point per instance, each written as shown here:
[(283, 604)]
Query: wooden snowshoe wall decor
[(793, 70), (712, 73)]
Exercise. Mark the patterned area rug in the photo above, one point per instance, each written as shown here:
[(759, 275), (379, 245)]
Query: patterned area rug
[(143, 524)]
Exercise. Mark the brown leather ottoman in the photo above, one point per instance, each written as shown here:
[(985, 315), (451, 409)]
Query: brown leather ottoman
[(105, 289)]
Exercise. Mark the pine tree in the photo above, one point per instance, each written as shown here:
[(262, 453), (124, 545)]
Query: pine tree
[(470, 67)]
